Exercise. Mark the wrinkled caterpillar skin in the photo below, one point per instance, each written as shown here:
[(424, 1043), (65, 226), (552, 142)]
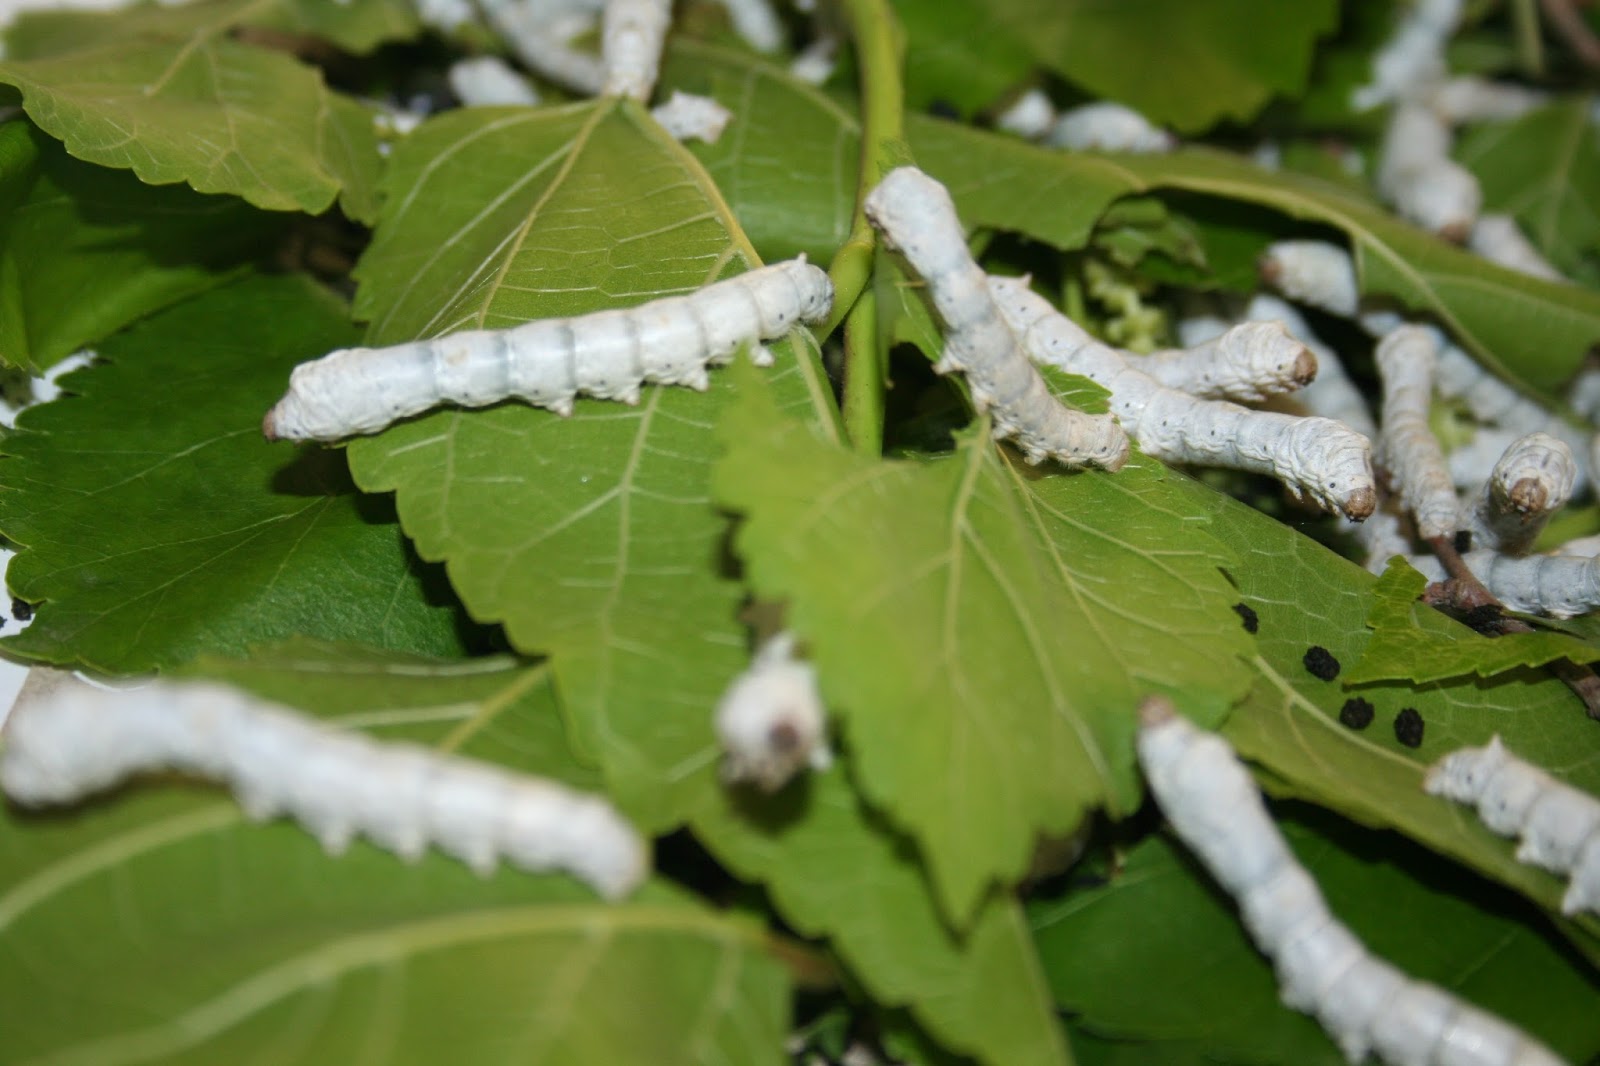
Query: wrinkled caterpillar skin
[(632, 34), (1317, 273), (403, 797), (1250, 362), (771, 720), (1313, 457), (489, 81), (1331, 394), (1558, 825), (1364, 1003), (548, 362), (1499, 239), (1560, 586), (689, 117), (1108, 127), (916, 216), (1417, 175), (1407, 447), (1532, 481)]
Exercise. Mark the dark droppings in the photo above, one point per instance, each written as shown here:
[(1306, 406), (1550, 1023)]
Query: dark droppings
[(21, 610), (1247, 615), (1463, 541), (1408, 727), (1485, 618), (1356, 713), (1320, 663)]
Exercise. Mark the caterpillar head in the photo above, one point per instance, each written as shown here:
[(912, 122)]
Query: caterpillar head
[(771, 721), (1462, 774)]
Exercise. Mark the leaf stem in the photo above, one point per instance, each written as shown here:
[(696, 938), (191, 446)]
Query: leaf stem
[(880, 56)]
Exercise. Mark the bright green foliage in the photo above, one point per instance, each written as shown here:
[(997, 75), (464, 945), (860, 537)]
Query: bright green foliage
[(1544, 169), (175, 98), (964, 57), (995, 590), (1182, 64), (84, 250), (165, 927), (1154, 953), (1415, 643), (202, 538), (593, 539), (834, 869)]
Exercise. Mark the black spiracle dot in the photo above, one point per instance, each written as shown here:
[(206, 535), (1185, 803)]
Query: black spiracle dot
[(1356, 713), (1408, 726), (1247, 615), (1320, 663)]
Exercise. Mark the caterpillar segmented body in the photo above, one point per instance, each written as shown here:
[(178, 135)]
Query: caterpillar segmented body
[(1364, 1003), (607, 354), (771, 720), (1331, 393), (1316, 457), (338, 785), (1249, 362), (1413, 56), (1561, 586), (540, 34), (916, 216), (1532, 480), (1468, 98), (487, 81), (632, 35), (1558, 826), (1499, 239), (1108, 127), (1406, 444), (1417, 175)]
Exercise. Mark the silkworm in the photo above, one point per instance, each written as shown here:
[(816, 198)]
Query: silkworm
[(756, 23), (1249, 362), (1557, 825), (1532, 481), (1468, 98), (485, 81), (1029, 116), (1499, 239), (632, 35), (541, 39), (1364, 1003), (1382, 537), (1407, 447), (1108, 127), (771, 721), (607, 354), (1330, 393), (689, 117), (1412, 58), (1417, 175), (1560, 586), (1313, 457), (1583, 391), (1318, 273), (916, 216), (816, 62), (402, 797)]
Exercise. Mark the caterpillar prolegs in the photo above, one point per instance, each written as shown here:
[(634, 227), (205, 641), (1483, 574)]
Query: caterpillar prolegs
[(402, 797), (607, 354), (1363, 1002)]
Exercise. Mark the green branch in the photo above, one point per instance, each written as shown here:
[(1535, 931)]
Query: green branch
[(879, 52)]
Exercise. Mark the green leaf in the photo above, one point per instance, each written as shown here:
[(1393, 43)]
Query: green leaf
[(787, 162), (84, 250), (163, 926), (168, 93), (1415, 643), (156, 525), (1157, 953), (593, 539), (1139, 227), (835, 870), (1224, 59), (962, 56), (1306, 595), (1543, 168), (957, 605)]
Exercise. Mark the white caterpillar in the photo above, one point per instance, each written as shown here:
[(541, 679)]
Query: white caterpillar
[(485, 81), (1413, 57), (756, 23), (1030, 116), (1532, 480), (1331, 394), (402, 797), (816, 62), (1108, 127), (1499, 239), (1318, 273), (607, 354), (915, 215), (1561, 586), (689, 117), (1363, 1002), (1417, 175), (1407, 447), (541, 32), (1251, 361), (771, 720), (1558, 825), (1472, 99), (1316, 457), (632, 35)]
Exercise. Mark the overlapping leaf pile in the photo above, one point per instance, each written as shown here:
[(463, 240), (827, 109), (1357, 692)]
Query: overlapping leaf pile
[(973, 880)]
